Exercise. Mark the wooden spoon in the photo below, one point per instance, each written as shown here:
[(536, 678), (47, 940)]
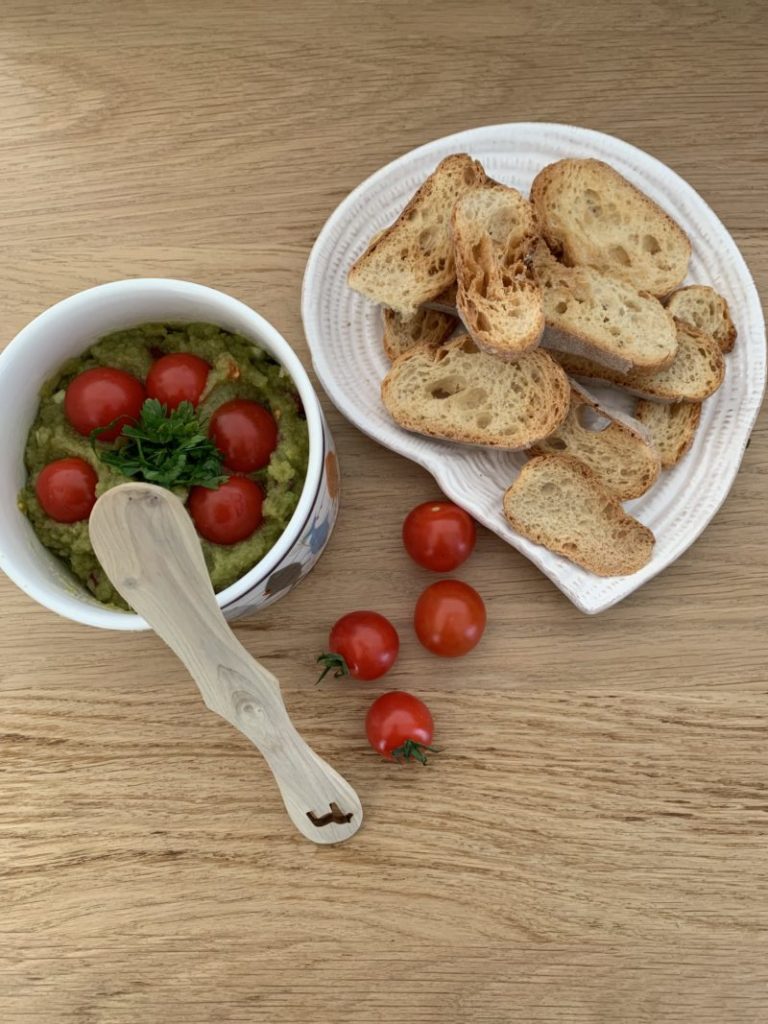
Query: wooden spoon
[(145, 540)]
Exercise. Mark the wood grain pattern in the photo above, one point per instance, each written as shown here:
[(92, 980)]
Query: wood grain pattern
[(592, 847)]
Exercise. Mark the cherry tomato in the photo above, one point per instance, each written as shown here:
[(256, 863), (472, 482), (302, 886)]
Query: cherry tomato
[(439, 535), (399, 726), (245, 433), (230, 513), (66, 489), (363, 645), (177, 378), (449, 618), (103, 396)]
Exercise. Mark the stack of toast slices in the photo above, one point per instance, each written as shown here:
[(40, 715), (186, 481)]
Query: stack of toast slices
[(498, 307)]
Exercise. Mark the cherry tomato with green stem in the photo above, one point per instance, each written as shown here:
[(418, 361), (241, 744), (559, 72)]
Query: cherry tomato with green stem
[(400, 727), (361, 644)]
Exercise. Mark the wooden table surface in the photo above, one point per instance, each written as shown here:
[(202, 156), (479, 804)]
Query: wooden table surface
[(591, 846)]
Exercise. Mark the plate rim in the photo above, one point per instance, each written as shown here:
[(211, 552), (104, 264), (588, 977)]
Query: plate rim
[(464, 139)]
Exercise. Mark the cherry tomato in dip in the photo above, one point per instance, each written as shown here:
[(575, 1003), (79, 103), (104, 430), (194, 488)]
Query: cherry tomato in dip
[(245, 433), (66, 489), (363, 645), (103, 398), (177, 378), (439, 535), (230, 513), (449, 618), (400, 727)]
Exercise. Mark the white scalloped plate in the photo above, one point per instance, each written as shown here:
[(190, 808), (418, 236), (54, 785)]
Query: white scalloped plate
[(344, 335)]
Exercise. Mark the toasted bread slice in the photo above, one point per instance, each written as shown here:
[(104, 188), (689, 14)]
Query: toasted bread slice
[(702, 308), (445, 302), (696, 372), (595, 315), (425, 327), (494, 232), (672, 427), (592, 215), (461, 394), (558, 502), (412, 260), (616, 450)]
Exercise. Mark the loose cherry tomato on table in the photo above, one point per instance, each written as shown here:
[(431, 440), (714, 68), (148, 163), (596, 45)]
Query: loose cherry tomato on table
[(449, 618), (363, 645), (103, 399), (177, 378), (400, 727), (228, 514), (439, 535), (66, 489), (245, 433)]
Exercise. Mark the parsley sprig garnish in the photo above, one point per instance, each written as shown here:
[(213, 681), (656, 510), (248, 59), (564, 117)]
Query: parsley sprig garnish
[(170, 449)]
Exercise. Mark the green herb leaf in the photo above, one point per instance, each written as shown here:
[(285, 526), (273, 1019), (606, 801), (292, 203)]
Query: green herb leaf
[(168, 449)]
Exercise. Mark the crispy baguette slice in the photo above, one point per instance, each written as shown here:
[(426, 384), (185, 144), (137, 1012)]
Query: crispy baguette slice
[(461, 394), (558, 502), (411, 261), (595, 315), (425, 327), (696, 373), (494, 231), (672, 427), (617, 450), (592, 215), (702, 308), (445, 302)]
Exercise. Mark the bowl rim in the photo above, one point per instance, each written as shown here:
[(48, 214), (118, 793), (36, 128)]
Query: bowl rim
[(262, 331)]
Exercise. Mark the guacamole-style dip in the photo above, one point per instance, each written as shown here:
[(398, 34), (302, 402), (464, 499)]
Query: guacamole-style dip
[(239, 370)]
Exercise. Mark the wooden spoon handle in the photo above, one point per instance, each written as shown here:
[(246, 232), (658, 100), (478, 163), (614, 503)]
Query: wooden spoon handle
[(148, 547)]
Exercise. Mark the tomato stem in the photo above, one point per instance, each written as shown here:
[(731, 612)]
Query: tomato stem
[(332, 662), (411, 750)]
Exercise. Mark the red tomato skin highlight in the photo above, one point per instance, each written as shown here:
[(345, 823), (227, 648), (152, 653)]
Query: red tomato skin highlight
[(176, 378), (439, 535), (103, 396), (229, 514), (245, 433), (368, 643), (449, 618), (66, 489)]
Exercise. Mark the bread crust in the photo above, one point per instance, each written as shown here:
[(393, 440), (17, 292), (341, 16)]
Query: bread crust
[(551, 393), (672, 439), (679, 302), (622, 439), (568, 240), (564, 286), (425, 327), (638, 540), (494, 231), (663, 386), (428, 278)]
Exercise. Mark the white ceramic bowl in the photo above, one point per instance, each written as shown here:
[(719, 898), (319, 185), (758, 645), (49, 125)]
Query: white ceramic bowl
[(66, 330)]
